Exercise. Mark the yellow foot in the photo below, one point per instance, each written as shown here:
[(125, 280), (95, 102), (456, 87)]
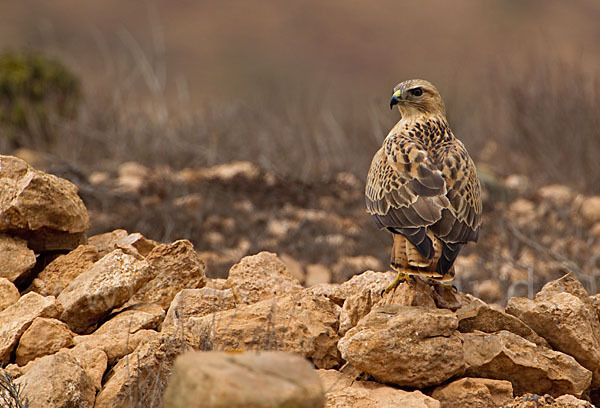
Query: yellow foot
[(401, 277)]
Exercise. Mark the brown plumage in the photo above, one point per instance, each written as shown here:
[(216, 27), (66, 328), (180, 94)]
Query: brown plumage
[(422, 186)]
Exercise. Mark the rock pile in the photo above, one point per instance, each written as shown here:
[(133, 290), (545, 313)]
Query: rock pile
[(118, 320)]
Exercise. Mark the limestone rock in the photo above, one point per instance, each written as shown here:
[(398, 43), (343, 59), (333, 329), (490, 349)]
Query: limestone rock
[(406, 345), (474, 393), (410, 293), (259, 277), (268, 379), (343, 392), (136, 240), (108, 284), (58, 380), (375, 282), (173, 267), (107, 242), (506, 356), (590, 209), (15, 319), (16, 257), (132, 319), (565, 316), (139, 378), (92, 360), (476, 315), (114, 344), (60, 272), (9, 294), (44, 336), (41, 208), (547, 401), (301, 323), (197, 303)]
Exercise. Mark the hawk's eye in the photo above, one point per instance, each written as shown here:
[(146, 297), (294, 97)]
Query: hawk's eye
[(416, 91)]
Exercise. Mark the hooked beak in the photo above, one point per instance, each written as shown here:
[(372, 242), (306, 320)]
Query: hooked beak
[(396, 97)]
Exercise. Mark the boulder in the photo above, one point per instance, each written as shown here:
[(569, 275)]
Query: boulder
[(411, 346), (259, 277), (44, 336), (343, 391), (114, 344), (507, 356), (16, 318), (301, 323), (173, 267), (41, 208), (17, 259), (478, 316), (133, 319), (107, 242), (108, 284), (565, 316), (137, 241), (197, 303), (60, 272), (474, 393), (268, 379), (9, 294), (62, 380), (139, 378)]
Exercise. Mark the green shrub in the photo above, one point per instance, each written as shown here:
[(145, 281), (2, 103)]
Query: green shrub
[(33, 90)]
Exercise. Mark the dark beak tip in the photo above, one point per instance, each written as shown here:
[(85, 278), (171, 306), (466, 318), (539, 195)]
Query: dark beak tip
[(393, 101)]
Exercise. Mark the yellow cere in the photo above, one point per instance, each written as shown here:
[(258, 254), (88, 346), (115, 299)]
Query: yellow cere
[(397, 94)]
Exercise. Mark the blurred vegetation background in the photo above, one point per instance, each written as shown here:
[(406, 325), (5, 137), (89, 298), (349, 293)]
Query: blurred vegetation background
[(300, 88)]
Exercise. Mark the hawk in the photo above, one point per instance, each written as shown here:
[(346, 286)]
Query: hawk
[(423, 188)]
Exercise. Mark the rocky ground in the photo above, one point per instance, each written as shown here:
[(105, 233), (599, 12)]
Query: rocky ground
[(120, 320)]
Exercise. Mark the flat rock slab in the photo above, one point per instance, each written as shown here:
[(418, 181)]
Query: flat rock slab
[(533, 369), (268, 379), (406, 345), (343, 391)]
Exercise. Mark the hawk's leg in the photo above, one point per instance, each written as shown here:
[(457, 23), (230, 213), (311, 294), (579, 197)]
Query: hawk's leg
[(401, 277)]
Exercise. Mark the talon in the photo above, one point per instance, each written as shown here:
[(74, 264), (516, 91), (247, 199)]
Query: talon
[(401, 277)]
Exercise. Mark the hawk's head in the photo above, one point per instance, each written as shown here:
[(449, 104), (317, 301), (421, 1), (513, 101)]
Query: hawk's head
[(417, 96)]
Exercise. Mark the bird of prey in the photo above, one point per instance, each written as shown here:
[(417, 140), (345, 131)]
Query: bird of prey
[(422, 187)]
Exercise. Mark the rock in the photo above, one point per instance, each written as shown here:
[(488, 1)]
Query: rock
[(410, 293), (349, 266), (58, 380), (406, 345), (114, 344), (476, 315), (108, 284), (557, 194), (44, 336), (373, 281), (173, 267), (590, 210), (317, 273), (92, 360), (547, 401), (139, 378), (259, 277), (474, 393), (60, 272), (565, 316), (9, 294), (197, 303), (130, 320), (507, 356), (136, 240), (301, 323), (267, 379), (107, 242), (43, 209), (16, 257), (343, 391), (16, 318)]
